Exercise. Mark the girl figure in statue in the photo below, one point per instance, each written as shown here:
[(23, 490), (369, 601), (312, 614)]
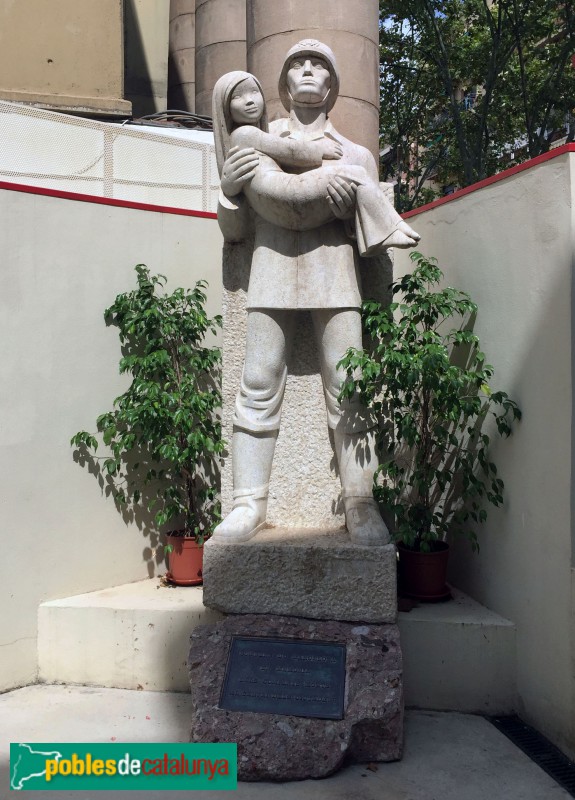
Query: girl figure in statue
[(298, 199)]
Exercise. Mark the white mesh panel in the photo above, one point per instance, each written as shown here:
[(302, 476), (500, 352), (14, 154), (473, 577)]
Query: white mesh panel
[(65, 151), (165, 161), (140, 164)]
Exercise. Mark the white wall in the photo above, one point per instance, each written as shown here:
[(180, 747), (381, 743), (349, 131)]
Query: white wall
[(510, 245), (63, 262)]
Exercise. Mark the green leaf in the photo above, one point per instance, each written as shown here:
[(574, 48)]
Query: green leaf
[(418, 375), (163, 434)]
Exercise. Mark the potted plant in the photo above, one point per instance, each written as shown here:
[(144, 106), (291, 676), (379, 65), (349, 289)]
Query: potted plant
[(426, 380), (164, 433)]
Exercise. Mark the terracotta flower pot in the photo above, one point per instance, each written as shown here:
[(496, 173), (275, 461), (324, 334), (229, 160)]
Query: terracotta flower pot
[(185, 561), (423, 575)]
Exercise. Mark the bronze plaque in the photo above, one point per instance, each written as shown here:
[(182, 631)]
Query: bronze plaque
[(296, 677)]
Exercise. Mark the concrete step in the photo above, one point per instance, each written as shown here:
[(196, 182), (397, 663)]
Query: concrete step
[(134, 636), (457, 656)]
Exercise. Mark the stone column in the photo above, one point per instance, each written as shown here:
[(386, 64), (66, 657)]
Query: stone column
[(182, 55), (352, 32), (220, 45)]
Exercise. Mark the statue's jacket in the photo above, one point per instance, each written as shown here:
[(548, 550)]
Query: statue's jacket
[(295, 266)]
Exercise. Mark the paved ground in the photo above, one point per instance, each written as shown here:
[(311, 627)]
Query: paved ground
[(447, 756)]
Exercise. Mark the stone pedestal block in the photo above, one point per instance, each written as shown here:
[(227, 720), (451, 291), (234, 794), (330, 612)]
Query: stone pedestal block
[(302, 572), (279, 747)]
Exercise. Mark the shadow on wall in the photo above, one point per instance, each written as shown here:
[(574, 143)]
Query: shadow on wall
[(133, 514), (162, 436), (138, 87), (508, 543), (177, 98), (138, 514)]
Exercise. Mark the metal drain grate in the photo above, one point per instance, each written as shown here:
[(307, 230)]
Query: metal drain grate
[(539, 749)]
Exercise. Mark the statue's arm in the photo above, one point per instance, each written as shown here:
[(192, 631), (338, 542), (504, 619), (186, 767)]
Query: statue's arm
[(233, 218), (250, 178), (298, 202), (233, 211), (285, 151)]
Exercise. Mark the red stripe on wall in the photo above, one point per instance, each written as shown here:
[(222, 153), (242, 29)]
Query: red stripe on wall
[(188, 212), (501, 176), (103, 201)]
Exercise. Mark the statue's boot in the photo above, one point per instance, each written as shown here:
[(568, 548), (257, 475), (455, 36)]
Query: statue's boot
[(252, 456), (357, 464)]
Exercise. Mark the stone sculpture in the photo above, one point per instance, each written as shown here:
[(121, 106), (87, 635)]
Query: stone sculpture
[(312, 219)]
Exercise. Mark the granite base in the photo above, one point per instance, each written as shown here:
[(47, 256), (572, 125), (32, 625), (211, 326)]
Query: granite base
[(302, 572), (278, 747)]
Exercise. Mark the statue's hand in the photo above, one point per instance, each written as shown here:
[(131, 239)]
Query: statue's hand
[(341, 197), (239, 168), (331, 149)]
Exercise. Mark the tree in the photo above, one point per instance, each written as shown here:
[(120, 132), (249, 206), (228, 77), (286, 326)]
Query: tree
[(164, 432), (425, 378), (466, 84)]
